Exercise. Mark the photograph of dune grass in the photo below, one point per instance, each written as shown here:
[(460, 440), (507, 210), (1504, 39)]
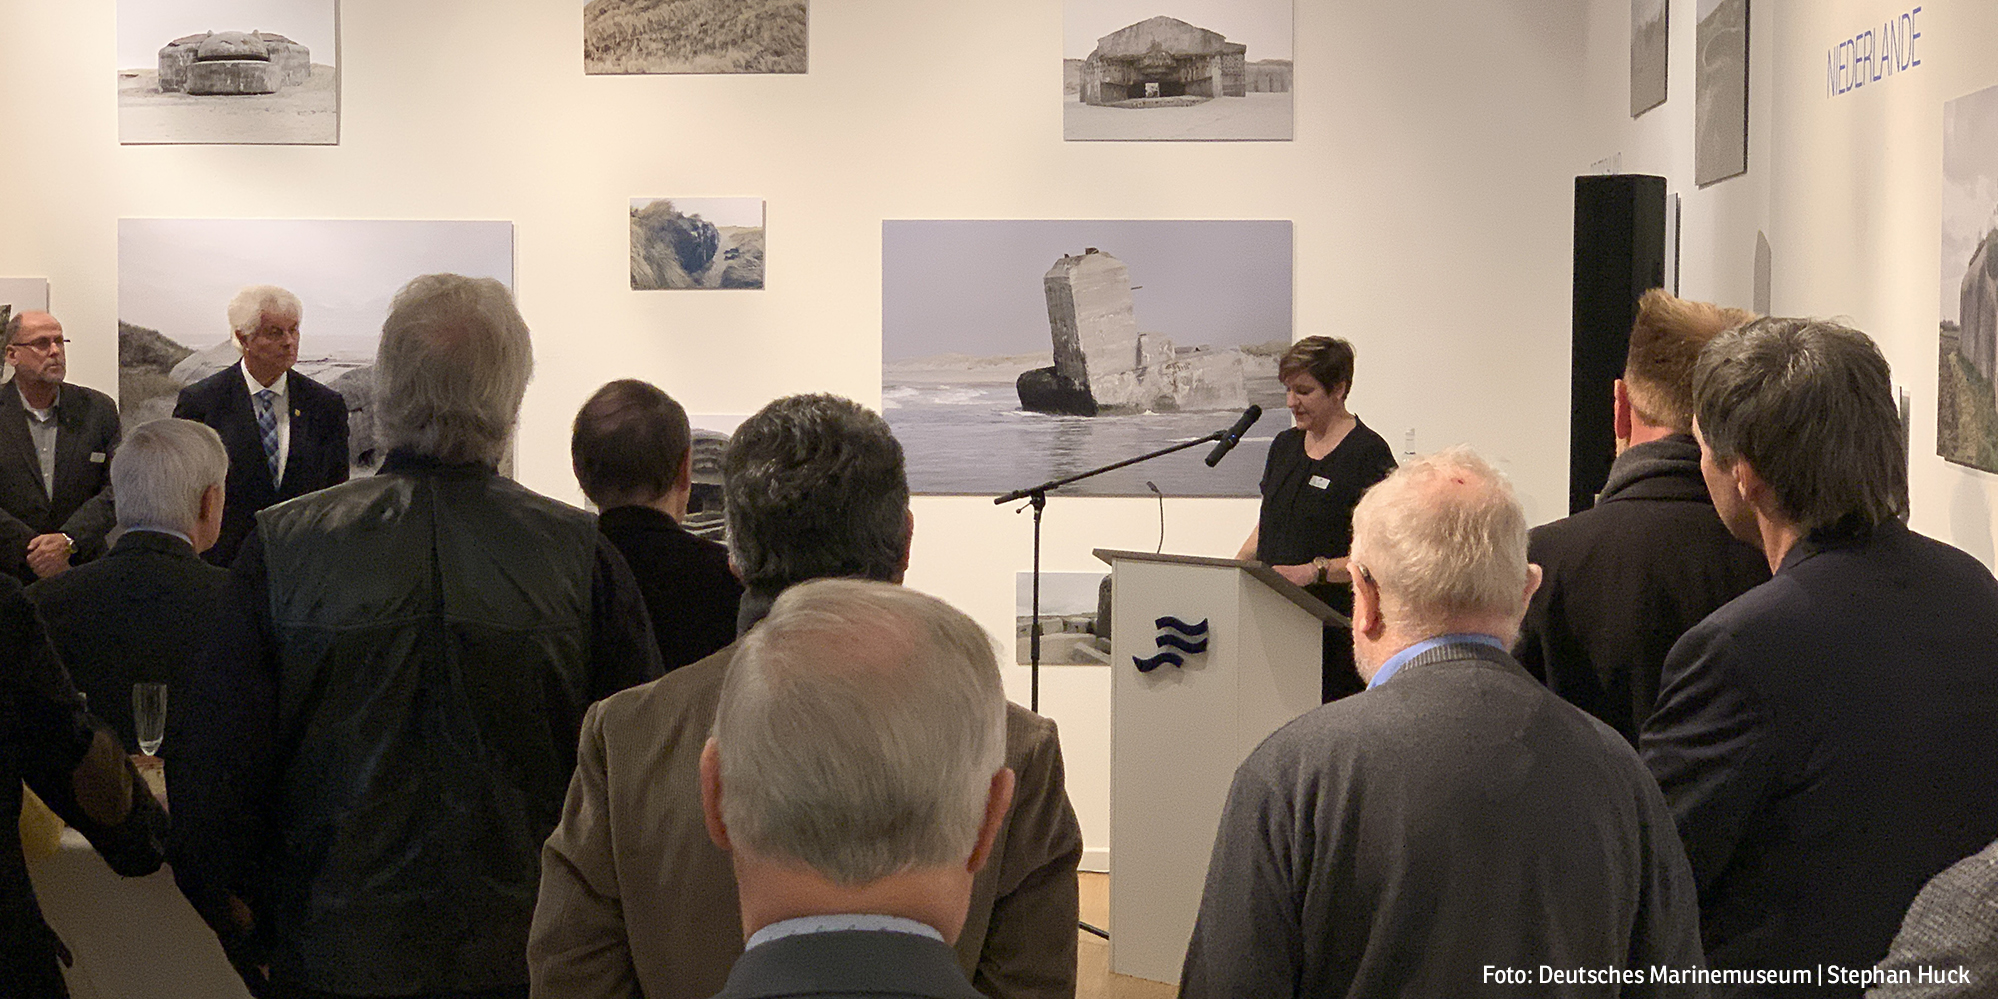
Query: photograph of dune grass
[(694, 36)]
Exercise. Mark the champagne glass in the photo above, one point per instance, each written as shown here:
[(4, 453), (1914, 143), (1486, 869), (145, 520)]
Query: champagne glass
[(149, 706)]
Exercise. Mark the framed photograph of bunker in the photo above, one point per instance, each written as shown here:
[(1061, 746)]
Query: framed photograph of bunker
[(1967, 414), (695, 36), (176, 278), (1177, 70), (1075, 625), (1720, 92), (228, 71), (1017, 352), (681, 243), (1649, 21)]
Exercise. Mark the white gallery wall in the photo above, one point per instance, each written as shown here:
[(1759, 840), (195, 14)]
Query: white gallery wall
[(1430, 182), (1846, 186)]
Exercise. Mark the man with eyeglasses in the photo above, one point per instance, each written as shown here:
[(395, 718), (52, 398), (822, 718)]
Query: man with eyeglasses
[(56, 443), (286, 434)]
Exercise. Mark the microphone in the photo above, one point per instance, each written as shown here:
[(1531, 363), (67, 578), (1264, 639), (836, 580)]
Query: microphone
[(1233, 435)]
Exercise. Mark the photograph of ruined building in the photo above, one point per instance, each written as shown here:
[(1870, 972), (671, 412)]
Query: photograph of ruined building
[(1177, 70), (683, 243), (1650, 21), (695, 36), (1720, 92), (1967, 412), (1015, 352), (177, 276), (228, 71)]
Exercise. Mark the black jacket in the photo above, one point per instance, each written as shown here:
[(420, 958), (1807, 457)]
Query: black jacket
[(1624, 579), (47, 740), (380, 737), (317, 457), (1828, 742), (80, 503), (689, 590), (137, 615)]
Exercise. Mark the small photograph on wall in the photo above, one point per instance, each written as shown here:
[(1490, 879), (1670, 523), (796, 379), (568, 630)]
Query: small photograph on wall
[(684, 243), (1967, 414), (1018, 352), (706, 514), (1075, 618), (176, 278), (24, 294), (1177, 70), (1648, 49), (1720, 92), (694, 36), (228, 71)]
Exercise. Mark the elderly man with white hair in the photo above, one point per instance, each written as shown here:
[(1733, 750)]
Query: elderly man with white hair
[(857, 780), (1456, 827), (378, 740), (286, 433)]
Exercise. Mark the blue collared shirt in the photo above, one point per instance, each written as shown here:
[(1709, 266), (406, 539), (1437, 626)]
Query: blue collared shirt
[(1398, 660), (834, 924)]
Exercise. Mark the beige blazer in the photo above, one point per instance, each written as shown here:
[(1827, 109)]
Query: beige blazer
[(635, 897)]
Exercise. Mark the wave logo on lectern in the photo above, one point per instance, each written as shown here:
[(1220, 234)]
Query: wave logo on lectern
[(1175, 634)]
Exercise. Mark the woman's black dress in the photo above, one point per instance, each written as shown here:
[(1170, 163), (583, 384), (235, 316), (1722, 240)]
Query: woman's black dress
[(1308, 512)]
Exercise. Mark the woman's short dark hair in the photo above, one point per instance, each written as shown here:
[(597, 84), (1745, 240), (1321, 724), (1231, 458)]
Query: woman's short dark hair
[(1326, 358), (1809, 404), (628, 443)]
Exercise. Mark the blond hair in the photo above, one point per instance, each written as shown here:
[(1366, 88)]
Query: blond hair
[(1665, 342)]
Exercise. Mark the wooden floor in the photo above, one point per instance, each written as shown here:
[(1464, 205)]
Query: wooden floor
[(1093, 979)]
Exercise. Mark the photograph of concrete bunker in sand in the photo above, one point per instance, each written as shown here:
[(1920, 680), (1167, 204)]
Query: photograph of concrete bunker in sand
[(1177, 70), (679, 243), (1720, 92), (1017, 352), (176, 278), (228, 71), (694, 36), (1967, 413), (1075, 619)]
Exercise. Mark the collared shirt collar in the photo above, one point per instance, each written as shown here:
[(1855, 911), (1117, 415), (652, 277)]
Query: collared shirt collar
[(835, 924), (168, 531), (42, 415), (1398, 660), (277, 385)]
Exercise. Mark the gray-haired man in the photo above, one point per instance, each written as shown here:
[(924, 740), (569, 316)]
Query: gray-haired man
[(378, 742), (142, 612), (815, 487), (1455, 828), (854, 860)]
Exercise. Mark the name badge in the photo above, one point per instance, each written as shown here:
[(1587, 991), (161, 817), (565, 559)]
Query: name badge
[(97, 457), (1319, 482)]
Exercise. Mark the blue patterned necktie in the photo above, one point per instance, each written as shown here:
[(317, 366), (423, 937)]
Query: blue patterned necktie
[(267, 428)]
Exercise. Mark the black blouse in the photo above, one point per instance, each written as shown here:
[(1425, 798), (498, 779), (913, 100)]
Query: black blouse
[(1308, 504)]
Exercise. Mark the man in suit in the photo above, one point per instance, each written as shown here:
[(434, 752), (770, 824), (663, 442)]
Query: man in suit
[(286, 434), (854, 862), (1455, 817), (1624, 579), (140, 613), (1825, 740), (632, 453), (816, 487), (56, 443)]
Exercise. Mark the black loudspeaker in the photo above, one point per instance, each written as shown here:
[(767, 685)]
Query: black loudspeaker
[(1619, 255)]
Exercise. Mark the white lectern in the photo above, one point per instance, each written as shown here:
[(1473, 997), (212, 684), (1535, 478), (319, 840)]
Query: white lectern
[(1178, 731)]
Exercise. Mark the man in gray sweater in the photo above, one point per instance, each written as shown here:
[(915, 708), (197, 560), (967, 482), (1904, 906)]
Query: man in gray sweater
[(1456, 828)]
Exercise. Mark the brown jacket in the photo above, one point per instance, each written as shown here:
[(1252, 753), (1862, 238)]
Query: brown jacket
[(635, 897)]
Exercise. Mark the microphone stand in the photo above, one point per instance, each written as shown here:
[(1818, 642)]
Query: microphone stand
[(1037, 497)]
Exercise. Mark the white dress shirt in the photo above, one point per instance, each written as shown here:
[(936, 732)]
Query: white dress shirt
[(280, 408)]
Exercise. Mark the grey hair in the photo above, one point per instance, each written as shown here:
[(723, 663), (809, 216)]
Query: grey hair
[(859, 730), (160, 471), (1444, 538), (1809, 403), (815, 486), (252, 304), (452, 368)]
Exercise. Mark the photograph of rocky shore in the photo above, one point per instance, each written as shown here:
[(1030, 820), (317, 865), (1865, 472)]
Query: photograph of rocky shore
[(680, 243), (1015, 352)]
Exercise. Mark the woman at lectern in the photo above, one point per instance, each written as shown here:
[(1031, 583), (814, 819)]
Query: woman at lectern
[(1315, 475)]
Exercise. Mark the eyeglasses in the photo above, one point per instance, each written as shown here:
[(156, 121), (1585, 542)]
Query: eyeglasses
[(42, 346)]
